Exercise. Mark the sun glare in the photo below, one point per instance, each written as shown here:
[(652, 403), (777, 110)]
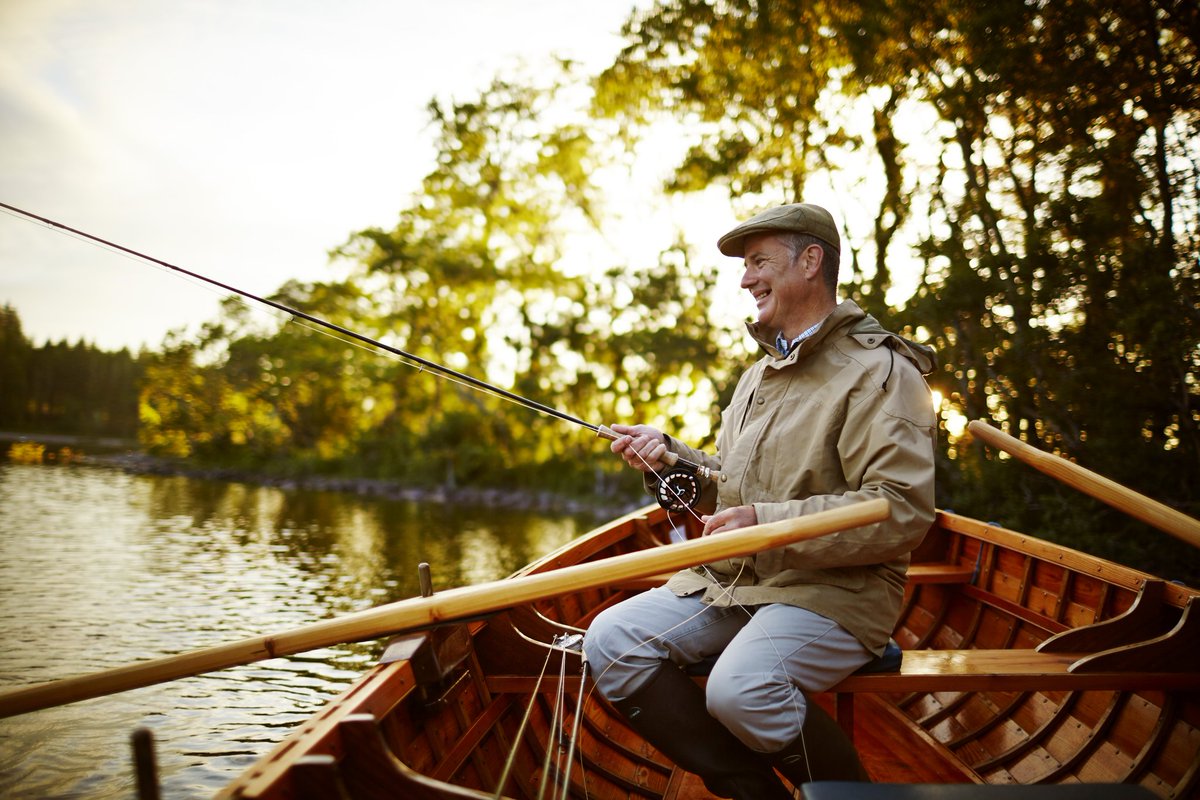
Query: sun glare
[(954, 421)]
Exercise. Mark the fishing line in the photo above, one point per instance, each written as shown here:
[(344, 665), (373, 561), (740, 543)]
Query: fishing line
[(512, 753), (673, 489), (682, 478), (431, 365), (726, 591), (570, 759), (552, 746)]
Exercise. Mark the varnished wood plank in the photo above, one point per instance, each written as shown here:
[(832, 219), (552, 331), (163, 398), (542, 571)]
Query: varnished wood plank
[(317, 778), (1033, 737), (940, 573), (964, 670), (1082, 563), (382, 689), (1094, 738), (1153, 742), (686, 786), (466, 744), (998, 714), (1149, 616), (1174, 651), (370, 771), (1014, 609), (896, 750)]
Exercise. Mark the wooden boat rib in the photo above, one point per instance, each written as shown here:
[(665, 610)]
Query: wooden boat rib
[(1024, 662)]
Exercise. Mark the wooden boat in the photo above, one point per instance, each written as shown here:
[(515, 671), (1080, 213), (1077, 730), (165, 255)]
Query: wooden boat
[(1024, 662)]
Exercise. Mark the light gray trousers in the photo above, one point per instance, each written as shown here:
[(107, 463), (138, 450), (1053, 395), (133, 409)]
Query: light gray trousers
[(769, 656)]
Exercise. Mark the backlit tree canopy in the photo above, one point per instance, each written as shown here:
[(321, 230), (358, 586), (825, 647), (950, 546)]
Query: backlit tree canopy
[(1051, 196), (1019, 184)]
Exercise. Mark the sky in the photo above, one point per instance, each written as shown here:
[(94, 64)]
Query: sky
[(241, 139)]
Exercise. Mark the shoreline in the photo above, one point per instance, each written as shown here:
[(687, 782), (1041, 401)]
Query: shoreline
[(488, 497)]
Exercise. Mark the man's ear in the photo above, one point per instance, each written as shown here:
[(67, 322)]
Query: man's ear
[(811, 259)]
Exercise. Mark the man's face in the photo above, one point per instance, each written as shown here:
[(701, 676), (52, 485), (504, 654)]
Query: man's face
[(776, 281)]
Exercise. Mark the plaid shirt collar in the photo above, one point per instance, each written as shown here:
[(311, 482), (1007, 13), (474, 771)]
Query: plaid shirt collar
[(784, 346)]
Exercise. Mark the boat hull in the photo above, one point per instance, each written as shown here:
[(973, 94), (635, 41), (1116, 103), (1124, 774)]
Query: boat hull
[(467, 707)]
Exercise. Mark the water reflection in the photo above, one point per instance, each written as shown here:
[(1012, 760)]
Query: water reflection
[(99, 569)]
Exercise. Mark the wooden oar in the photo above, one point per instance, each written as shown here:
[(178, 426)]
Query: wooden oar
[(1108, 491), (446, 606)]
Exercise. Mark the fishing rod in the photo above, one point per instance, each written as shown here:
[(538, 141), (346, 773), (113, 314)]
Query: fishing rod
[(678, 488)]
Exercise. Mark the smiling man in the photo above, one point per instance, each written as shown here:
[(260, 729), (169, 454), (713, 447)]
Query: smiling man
[(834, 412)]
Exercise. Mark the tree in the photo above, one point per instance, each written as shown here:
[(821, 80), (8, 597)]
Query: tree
[(65, 388), (1050, 200), (15, 354)]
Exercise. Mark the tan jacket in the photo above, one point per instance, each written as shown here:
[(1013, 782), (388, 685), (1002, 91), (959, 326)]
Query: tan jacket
[(845, 417)]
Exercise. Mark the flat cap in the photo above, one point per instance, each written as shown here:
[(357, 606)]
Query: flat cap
[(793, 218)]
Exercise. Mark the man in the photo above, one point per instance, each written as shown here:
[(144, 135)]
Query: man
[(836, 411)]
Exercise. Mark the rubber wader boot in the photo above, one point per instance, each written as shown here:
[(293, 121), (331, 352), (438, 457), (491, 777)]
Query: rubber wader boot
[(670, 713), (822, 752)]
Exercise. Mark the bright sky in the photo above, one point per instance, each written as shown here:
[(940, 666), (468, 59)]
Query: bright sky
[(242, 140)]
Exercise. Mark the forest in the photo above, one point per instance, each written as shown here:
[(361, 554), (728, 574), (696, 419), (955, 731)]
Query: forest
[(62, 388), (1019, 185)]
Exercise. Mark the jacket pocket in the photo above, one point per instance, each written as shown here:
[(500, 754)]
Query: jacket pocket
[(733, 416)]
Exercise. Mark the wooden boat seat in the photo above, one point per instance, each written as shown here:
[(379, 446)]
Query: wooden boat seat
[(977, 670), (1123, 660), (1129, 652), (940, 573)]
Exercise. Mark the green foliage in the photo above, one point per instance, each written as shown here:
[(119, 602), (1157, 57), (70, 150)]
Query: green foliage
[(1059, 184), (1062, 277), (471, 277), (1036, 163)]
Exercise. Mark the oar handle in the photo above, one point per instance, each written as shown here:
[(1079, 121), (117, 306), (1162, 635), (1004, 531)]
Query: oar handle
[(671, 459), (1136, 505), (450, 605)]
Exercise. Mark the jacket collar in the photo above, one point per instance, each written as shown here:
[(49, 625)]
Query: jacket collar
[(846, 313), (847, 319)]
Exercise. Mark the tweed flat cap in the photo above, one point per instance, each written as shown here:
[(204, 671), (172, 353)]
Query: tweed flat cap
[(793, 218)]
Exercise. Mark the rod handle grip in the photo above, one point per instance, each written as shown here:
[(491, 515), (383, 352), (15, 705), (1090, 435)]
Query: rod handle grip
[(669, 458)]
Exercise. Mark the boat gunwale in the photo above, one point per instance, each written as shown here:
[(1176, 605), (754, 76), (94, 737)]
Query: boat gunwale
[(1077, 561)]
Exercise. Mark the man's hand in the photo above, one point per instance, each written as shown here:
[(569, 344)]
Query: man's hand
[(641, 446), (730, 519)]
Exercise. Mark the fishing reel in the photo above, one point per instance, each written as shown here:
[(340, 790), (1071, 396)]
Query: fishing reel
[(678, 490)]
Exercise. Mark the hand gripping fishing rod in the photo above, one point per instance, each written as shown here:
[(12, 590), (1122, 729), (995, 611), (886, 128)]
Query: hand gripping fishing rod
[(678, 488)]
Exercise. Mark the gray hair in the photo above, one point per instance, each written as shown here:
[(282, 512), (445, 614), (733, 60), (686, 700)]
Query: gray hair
[(831, 257)]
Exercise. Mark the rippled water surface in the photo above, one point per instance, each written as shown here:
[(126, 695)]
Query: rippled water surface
[(99, 569)]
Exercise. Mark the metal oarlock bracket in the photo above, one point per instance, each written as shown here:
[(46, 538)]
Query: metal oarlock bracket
[(572, 642)]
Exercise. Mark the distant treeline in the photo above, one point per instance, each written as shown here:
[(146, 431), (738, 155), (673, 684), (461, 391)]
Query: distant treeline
[(65, 388)]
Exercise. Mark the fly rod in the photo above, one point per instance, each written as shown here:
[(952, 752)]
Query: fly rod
[(682, 480)]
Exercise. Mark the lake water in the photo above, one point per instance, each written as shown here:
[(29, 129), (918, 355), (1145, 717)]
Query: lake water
[(99, 569)]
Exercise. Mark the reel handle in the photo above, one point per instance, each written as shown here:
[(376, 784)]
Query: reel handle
[(669, 458)]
